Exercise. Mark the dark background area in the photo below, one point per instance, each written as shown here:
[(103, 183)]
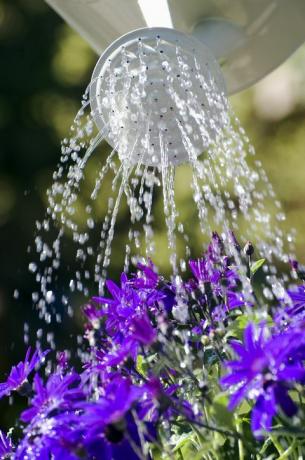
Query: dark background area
[(45, 67)]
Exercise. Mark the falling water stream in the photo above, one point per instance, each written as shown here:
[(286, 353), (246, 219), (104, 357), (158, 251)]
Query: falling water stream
[(161, 107)]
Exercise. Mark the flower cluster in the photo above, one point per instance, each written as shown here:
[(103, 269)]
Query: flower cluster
[(267, 369), (160, 357)]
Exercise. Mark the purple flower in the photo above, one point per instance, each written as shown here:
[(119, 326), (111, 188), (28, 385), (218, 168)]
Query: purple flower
[(92, 313), (142, 330), (294, 313), (204, 272), (116, 355), (126, 322), (233, 300), (297, 296), (6, 446), (52, 437), (215, 249), (125, 302), (215, 268), (59, 393), (122, 296), (265, 372), (120, 395), (19, 373), (120, 440), (139, 332), (146, 278), (163, 402), (109, 424)]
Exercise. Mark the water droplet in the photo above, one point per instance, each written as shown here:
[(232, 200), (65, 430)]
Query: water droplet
[(32, 267), (50, 297)]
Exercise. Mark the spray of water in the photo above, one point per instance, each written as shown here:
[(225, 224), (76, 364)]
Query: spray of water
[(159, 101)]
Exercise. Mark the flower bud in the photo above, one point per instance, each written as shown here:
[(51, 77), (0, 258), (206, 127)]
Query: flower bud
[(205, 340), (220, 332), (248, 248)]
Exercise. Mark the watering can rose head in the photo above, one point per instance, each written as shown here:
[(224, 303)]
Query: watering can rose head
[(158, 92)]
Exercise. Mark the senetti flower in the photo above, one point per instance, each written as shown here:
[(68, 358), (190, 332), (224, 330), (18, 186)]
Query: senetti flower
[(233, 300), (121, 440), (59, 394), (298, 299), (146, 277), (120, 395), (52, 437), (18, 376), (132, 293), (109, 423), (265, 372), (204, 271), (163, 403), (127, 320), (292, 314), (215, 268)]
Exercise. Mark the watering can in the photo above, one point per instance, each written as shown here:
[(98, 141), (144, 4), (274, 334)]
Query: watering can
[(249, 38)]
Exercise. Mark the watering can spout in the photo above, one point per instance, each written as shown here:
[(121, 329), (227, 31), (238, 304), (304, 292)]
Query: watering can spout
[(249, 38)]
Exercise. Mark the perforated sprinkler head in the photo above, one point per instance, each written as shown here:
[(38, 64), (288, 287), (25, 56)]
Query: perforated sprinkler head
[(159, 94)]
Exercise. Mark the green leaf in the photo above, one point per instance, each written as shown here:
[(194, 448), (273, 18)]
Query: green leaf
[(221, 414), (182, 440), (141, 365), (257, 265), (238, 327), (243, 408)]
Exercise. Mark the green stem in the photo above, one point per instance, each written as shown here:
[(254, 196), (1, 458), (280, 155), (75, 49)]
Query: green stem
[(232, 434), (241, 450), (287, 452), (277, 444), (248, 268)]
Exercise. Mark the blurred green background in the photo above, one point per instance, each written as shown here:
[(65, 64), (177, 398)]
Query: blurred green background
[(45, 67)]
